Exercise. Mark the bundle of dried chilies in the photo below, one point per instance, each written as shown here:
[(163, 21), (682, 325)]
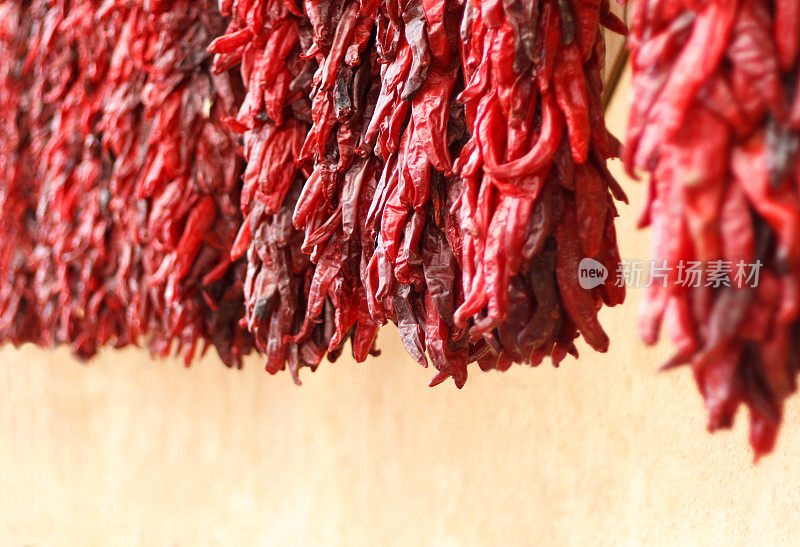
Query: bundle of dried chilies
[(67, 261), (19, 320), (475, 259), (536, 196), (267, 40), (123, 178), (716, 120), (440, 165), (191, 181)]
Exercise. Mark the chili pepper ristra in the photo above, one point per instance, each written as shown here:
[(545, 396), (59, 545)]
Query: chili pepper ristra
[(715, 120), (438, 134)]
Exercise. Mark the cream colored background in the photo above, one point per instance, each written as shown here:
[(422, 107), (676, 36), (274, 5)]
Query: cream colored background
[(128, 451)]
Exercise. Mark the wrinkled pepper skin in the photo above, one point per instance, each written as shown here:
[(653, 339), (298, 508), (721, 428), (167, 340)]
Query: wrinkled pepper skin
[(298, 308), (437, 147), (714, 92)]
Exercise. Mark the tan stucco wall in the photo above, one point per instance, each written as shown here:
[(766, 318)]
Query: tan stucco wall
[(130, 452)]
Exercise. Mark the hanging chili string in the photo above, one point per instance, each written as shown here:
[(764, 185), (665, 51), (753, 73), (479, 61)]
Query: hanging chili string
[(716, 122), (395, 228)]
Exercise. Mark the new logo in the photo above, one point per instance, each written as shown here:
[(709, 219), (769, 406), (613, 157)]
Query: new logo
[(591, 273)]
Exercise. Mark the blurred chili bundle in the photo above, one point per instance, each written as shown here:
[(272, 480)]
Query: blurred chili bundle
[(191, 178), (54, 211), (716, 120), (122, 182), (18, 318), (375, 101)]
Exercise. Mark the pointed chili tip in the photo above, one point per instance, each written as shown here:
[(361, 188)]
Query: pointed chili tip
[(628, 161), (675, 361), (438, 379), (761, 451), (573, 350), (763, 434), (597, 340), (622, 196)]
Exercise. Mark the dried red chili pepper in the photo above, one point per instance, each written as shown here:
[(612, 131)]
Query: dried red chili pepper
[(713, 85)]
